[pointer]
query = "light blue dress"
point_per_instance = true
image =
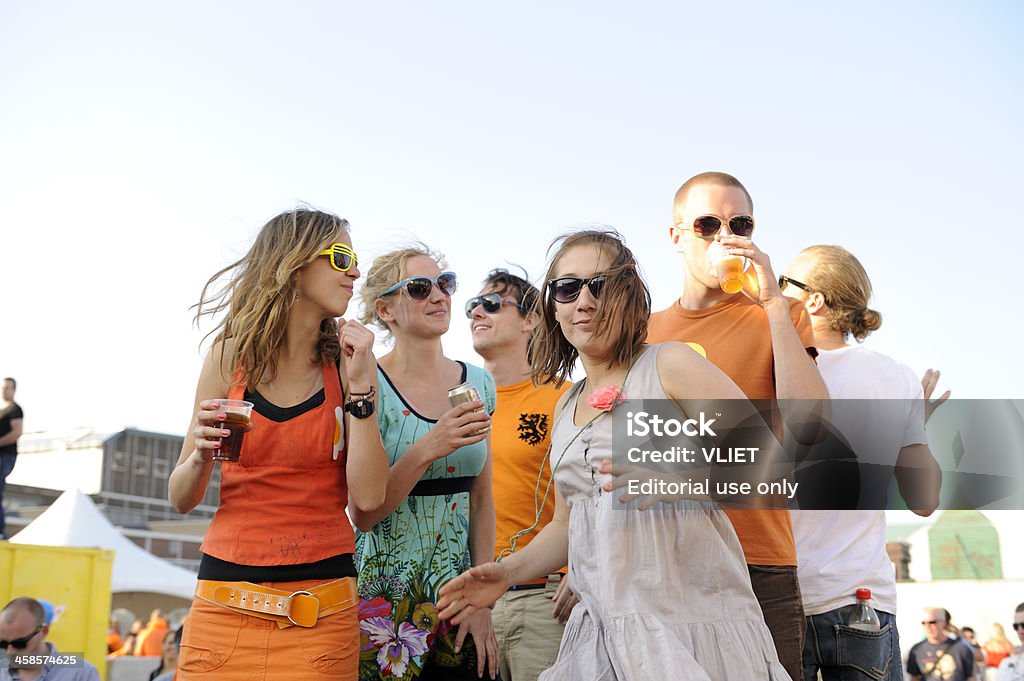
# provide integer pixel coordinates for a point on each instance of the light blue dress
(406, 558)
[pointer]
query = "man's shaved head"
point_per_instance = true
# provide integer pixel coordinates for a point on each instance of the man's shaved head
(709, 178)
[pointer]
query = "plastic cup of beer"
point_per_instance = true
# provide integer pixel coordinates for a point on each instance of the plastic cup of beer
(728, 268)
(237, 414)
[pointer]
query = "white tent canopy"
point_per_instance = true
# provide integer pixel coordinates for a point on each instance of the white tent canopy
(74, 520)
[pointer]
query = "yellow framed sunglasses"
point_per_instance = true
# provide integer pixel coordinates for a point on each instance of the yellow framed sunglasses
(343, 258)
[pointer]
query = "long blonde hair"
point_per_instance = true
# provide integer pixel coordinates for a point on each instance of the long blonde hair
(998, 643)
(840, 277)
(261, 289)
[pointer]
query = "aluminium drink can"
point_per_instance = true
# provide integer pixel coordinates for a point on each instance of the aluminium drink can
(465, 392)
(460, 394)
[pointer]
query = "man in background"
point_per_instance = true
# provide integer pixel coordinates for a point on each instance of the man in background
(151, 638)
(529, 618)
(938, 656)
(10, 430)
(23, 631)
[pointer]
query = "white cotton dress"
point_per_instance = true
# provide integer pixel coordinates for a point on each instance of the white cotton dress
(664, 594)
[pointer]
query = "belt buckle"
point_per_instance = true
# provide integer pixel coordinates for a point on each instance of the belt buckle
(309, 615)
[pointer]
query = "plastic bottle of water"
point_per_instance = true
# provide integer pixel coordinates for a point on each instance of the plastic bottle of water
(864, 616)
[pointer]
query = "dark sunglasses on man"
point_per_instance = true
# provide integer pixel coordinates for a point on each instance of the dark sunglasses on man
(491, 304)
(789, 281)
(707, 226)
(20, 643)
(418, 288)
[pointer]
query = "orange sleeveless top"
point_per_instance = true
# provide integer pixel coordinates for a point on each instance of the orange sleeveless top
(283, 502)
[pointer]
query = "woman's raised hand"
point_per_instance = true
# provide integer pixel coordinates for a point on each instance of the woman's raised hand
(478, 587)
(357, 349)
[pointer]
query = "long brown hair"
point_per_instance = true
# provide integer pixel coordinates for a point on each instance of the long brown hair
(621, 317)
(261, 289)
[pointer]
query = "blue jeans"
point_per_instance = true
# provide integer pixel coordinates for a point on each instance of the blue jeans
(845, 654)
(6, 466)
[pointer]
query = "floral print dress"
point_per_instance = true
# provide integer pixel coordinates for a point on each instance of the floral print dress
(406, 558)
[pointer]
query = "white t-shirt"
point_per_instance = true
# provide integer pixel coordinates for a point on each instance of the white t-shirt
(1011, 668)
(840, 551)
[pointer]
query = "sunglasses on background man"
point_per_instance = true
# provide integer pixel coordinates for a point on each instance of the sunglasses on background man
(491, 304)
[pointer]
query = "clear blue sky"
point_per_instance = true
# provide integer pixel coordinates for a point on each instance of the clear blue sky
(142, 145)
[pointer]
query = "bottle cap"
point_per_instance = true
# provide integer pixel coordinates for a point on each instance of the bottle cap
(863, 594)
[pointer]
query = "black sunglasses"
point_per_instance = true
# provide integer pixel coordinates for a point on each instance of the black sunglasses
(418, 288)
(567, 289)
(783, 280)
(707, 226)
(1018, 625)
(491, 303)
(20, 643)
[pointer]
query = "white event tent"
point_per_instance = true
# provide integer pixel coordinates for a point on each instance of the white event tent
(74, 520)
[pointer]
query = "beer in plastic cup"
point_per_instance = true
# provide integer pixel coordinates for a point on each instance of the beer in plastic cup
(728, 268)
(237, 413)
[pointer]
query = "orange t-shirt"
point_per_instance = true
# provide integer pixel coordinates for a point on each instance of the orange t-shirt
(151, 639)
(114, 642)
(736, 337)
(520, 435)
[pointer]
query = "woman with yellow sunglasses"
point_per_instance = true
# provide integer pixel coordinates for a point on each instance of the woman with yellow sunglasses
(276, 595)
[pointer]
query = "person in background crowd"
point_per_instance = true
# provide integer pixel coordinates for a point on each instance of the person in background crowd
(998, 647)
(529, 618)
(150, 640)
(1012, 667)
(130, 639)
(11, 420)
(169, 657)
(23, 631)
(967, 634)
(114, 640)
(938, 656)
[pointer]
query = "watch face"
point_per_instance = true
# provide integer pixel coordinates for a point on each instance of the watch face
(361, 409)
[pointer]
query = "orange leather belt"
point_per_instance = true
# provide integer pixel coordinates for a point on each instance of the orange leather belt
(287, 608)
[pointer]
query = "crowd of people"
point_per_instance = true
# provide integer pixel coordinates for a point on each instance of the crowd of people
(954, 654)
(494, 537)
(473, 520)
